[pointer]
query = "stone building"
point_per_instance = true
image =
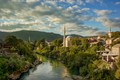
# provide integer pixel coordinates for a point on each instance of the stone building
(116, 49)
(68, 42)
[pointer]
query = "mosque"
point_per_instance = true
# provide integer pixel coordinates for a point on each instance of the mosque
(66, 39)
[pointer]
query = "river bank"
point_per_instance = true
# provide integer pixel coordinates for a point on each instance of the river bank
(48, 69)
(16, 74)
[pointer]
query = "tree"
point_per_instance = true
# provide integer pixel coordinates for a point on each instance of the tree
(85, 44)
(11, 41)
(75, 41)
(57, 42)
(117, 73)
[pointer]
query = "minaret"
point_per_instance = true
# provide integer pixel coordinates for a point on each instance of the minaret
(110, 38)
(64, 39)
(109, 33)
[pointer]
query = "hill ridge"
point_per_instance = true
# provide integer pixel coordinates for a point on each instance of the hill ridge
(34, 35)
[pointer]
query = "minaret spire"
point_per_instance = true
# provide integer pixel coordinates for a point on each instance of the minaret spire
(64, 37)
(109, 33)
(110, 37)
(64, 31)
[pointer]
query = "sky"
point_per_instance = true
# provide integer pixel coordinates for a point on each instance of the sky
(82, 17)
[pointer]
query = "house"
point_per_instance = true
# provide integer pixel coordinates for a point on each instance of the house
(116, 49)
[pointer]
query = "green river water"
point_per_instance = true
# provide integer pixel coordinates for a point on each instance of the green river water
(48, 70)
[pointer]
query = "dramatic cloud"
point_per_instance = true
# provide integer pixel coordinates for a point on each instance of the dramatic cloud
(48, 15)
(81, 30)
(105, 20)
(109, 22)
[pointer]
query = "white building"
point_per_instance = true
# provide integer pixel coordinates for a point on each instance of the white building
(116, 49)
(108, 41)
(68, 43)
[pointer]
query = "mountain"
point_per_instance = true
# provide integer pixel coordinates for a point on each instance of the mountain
(75, 35)
(33, 35)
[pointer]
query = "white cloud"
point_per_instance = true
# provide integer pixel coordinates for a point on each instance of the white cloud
(22, 22)
(86, 9)
(79, 11)
(4, 30)
(92, 1)
(102, 12)
(90, 33)
(100, 1)
(107, 22)
(42, 8)
(85, 18)
(75, 6)
(6, 10)
(69, 27)
(62, 0)
(39, 8)
(118, 3)
(73, 28)
(19, 29)
(54, 19)
(46, 16)
(83, 10)
(89, 1)
(70, 8)
(28, 1)
(70, 1)
(115, 23)
(81, 2)
(32, 0)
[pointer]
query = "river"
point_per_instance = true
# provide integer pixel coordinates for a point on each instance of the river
(48, 70)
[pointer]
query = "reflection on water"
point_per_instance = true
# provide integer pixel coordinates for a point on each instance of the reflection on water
(48, 70)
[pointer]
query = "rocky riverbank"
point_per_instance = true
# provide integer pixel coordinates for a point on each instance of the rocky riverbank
(16, 74)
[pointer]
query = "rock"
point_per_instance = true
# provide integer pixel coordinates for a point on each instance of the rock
(75, 77)
(15, 75)
(68, 78)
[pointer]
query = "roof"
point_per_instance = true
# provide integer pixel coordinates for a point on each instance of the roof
(116, 46)
(104, 54)
(68, 36)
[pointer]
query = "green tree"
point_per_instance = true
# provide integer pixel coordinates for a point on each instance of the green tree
(75, 41)
(85, 43)
(11, 40)
(57, 42)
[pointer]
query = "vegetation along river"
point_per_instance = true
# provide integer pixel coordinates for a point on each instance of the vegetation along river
(48, 70)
